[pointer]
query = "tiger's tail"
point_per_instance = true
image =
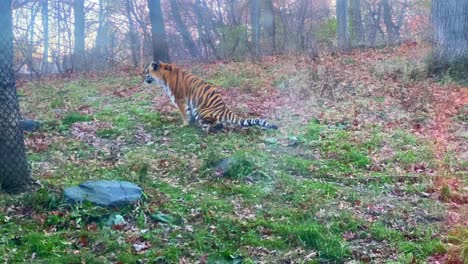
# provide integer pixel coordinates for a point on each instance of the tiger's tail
(246, 122)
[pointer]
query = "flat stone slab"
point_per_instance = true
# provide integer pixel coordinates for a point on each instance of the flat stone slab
(104, 192)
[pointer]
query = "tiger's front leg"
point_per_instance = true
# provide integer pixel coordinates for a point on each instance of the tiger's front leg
(190, 114)
(182, 109)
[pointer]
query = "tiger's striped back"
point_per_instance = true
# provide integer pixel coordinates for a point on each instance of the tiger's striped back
(196, 99)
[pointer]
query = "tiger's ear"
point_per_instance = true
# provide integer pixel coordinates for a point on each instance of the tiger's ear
(156, 65)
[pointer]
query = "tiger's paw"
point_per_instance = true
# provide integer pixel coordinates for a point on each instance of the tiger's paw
(206, 128)
(218, 127)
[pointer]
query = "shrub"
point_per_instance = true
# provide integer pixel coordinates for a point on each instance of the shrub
(401, 69)
(233, 42)
(327, 30)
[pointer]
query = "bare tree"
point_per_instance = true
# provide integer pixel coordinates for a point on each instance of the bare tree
(255, 23)
(357, 29)
(79, 46)
(302, 17)
(68, 62)
(56, 54)
(14, 169)
(206, 24)
(269, 23)
(30, 47)
(232, 9)
(131, 31)
(45, 24)
(391, 14)
(102, 36)
(139, 10)
(342, 21)
(182, 28)
(450, 41)
(160, 48)
(374, 14)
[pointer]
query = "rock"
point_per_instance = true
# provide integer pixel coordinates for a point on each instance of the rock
(292, 141)
(104, 193)
(92, 99)
(237, 166)
(222, 168)
(30, 125)
(115, 219)
(161, 217)
(58, 111)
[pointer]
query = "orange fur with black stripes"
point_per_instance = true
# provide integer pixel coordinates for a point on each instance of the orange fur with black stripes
(196, 99)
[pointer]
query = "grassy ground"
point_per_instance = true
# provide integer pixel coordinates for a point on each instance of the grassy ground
(353, 174)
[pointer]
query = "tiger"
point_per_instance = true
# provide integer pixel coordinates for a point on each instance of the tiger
(197, 100)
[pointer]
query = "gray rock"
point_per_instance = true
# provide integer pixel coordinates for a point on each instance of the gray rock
(222, 168)
(30, 125)
(115, 219)
(292, 141)
(92, 99)
(104, 193)
(236, 166)
(58, 111)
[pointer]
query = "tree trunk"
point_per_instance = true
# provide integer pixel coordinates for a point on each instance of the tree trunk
(255, 23)
(206, 28)
(30, 46)
(387, 17)
(450, 27)
(14, 169)
(373, 22)
(302, 18)
(356, 22)
(45, 22)
(160, 48)
(102, 38)
(182, 28)
(132, 33)
(232, 12)
(269, 24)
(79, 46)
(201, 28)
(111, 44)
(145, 44)
(58, 15)
(342, 21)
(286, 28)
(393, 29)
(68, 61)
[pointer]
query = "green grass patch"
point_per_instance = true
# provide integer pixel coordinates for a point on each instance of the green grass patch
(313, 131)
(75, 117)
(240, 77)
(423, 249)
(295, 164)
(380, 232)
(314, 236)
(108, 133)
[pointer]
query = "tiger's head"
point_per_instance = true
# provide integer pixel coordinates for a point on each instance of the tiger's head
(157, 72)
